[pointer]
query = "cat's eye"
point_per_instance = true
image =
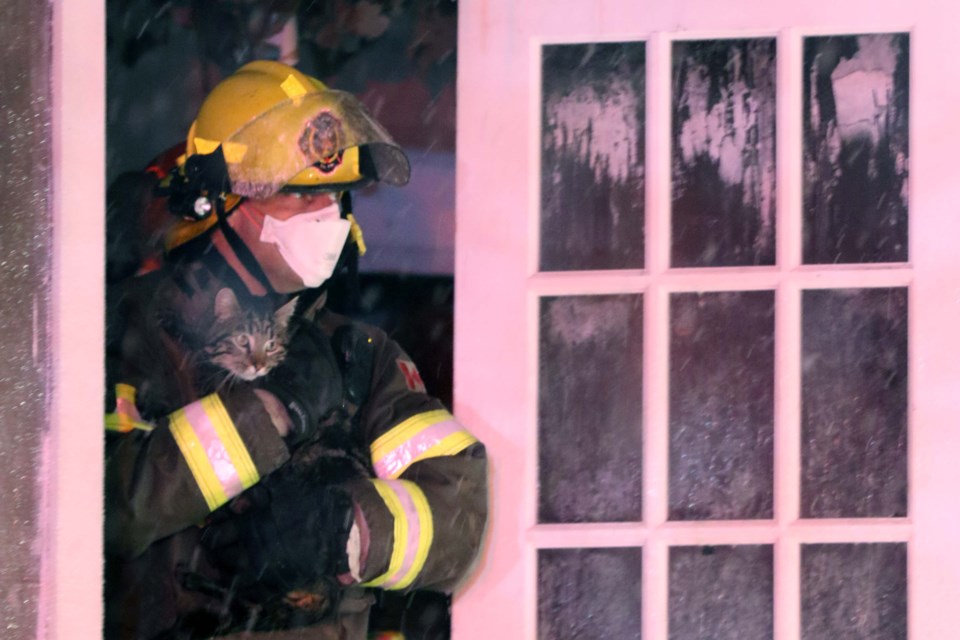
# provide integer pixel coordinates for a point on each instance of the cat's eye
(242, 340)
(270, 346)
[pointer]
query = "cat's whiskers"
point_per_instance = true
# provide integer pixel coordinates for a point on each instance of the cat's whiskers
(230, 381)
(239, 344)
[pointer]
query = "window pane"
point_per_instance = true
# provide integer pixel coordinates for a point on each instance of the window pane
(721, 593)
(854, 591)
(590, 422)
(589, 594)
(592, 158)
(854, 403)
(855, 148)
(724, 152)
(721, 405)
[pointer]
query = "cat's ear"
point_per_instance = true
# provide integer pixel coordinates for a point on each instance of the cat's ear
(225, 305)
(284, 313)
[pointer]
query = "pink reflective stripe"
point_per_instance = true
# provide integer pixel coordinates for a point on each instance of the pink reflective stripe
(213, 447)
(413, 532)
(127, 408)
(406, 453)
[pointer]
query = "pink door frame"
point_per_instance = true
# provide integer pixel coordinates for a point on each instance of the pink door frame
(73, 457)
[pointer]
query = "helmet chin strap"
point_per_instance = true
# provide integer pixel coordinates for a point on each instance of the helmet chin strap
(253, 277)
(246, 258)
(350, 257)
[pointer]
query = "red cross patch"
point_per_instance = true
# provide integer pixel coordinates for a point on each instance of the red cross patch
(411, 376)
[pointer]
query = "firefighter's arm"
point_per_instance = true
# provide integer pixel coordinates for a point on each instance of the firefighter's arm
(161, 480)
(164, 477)
(419, 529)
(422, 527)
(417, 524)
(420, 521)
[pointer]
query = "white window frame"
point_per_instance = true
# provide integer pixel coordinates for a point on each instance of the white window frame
(499, 290)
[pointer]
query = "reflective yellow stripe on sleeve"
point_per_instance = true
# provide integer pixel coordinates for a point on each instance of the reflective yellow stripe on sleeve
(126, 418)
(412, 532)
(118, 422)
(425, 435)
(215, 453)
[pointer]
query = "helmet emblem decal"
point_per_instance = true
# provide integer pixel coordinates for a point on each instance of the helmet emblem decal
(321, 141)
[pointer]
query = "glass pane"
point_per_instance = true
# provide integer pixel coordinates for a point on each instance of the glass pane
(721, 405)
(721, 593)
(589, 594)
(724, 152)
(592, 157)
(854, 591)
(854, 403)
(590, 422)
(855, 148)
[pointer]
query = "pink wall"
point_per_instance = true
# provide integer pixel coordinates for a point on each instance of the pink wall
(73, 456)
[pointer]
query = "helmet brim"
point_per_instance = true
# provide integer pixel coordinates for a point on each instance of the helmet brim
(305, 140)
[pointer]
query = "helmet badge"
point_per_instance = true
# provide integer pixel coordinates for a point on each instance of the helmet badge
(322, 140)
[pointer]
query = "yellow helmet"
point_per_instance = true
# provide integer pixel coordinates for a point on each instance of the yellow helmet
(280, 127)
(270, 127)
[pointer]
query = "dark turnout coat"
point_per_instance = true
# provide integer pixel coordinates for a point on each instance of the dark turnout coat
(415, 475)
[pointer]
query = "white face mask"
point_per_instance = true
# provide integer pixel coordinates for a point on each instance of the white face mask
(310, 242)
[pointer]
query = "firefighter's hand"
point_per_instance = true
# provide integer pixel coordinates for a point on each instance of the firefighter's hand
(277, 412)
(297, 539)
(307, 382)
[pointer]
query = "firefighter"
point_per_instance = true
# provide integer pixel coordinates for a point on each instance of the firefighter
(274, 507)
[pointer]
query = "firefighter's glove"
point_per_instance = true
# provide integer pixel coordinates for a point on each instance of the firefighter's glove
(296, 541)
(307, 381)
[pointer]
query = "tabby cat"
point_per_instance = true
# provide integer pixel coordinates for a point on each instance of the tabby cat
(246, 342)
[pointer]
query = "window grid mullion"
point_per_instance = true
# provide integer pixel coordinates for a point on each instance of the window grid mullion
(787, 405)
(656, 440)
(786, 589)
(657, 132)
(656, 338)
(787, 309)
(786, 570)
(789, 146)
(786, 556)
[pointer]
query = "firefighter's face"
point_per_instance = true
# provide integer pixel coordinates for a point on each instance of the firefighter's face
(284, 206)
(248, 219)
